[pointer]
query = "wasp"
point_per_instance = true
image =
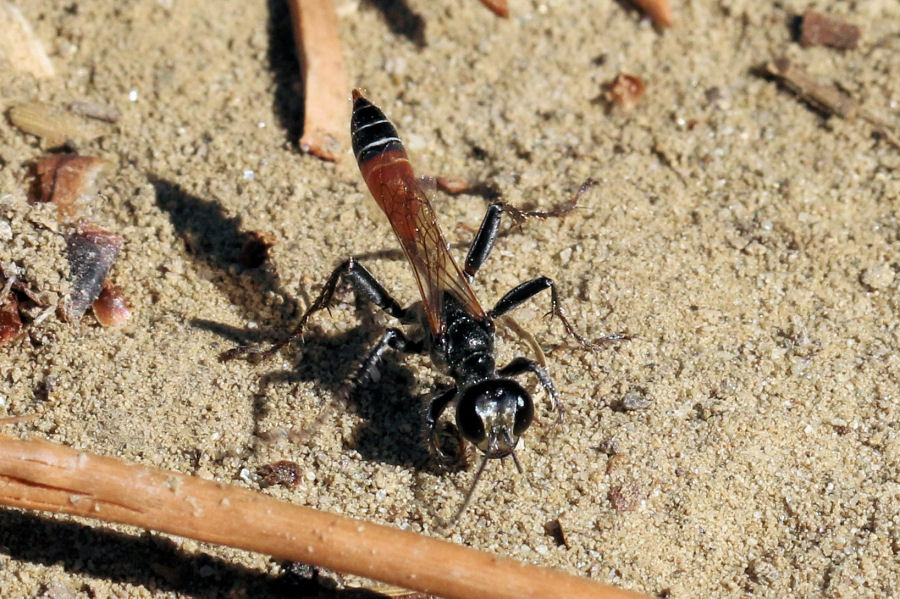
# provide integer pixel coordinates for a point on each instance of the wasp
(492, 409)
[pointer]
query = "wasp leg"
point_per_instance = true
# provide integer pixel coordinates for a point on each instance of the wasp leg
(487, 234)
(392, 339)
(521, 365)
(433, 411)
(484, 241)
(364, 284)
(525, 291)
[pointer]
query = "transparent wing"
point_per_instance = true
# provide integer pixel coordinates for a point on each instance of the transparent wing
(411, 216)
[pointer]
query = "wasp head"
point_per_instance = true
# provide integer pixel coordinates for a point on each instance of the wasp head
(492, 414)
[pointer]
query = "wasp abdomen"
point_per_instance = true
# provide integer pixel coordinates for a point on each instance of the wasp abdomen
(371, 131)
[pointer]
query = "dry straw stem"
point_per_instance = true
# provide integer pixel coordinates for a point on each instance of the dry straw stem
(659, 11)
(38, 475)
(326, 110)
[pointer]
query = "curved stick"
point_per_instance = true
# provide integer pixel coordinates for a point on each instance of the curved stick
(38, 475)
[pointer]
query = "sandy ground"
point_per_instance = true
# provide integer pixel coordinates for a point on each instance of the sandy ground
(747, 243)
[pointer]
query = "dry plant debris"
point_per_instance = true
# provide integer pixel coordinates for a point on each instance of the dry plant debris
(66, 178)
(625, 90)
(10, 322)
(817, 29)
(284, 473)
(53, 125)
(326, 111)
(659, 11)
(825, 97)
(19, 46)
(91, 252)
(92, 110)
(43, 476)
(452, 185)
(111, 308)
(498, 7)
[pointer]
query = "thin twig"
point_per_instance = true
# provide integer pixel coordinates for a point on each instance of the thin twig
(38, 475)
(826, 97)
(325, 88)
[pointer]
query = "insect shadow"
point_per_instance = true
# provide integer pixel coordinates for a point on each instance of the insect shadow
(217, 240)
(391, 416)
(150, 561)
(214, 240)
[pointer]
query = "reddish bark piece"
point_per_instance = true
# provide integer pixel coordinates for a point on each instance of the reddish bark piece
(817, 29)
(111, 308)
(498, 7)
(452, 185)
(10, 322)
(64, 179)
(659, 11)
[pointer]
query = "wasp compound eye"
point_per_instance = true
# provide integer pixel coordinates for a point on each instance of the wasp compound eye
(524, 414)
(468, 420)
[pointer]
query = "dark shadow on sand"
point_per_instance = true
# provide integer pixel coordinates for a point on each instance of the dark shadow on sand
(216, 240)
(151, 561)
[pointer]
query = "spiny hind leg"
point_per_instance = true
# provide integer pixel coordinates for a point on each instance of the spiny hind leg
(365, 286)
(525, 291)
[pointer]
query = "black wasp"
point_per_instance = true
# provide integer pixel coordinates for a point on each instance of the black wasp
(492, 409)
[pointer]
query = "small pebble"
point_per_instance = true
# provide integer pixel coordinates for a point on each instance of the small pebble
(878, 276)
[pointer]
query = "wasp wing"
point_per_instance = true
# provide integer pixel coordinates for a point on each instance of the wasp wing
(409, 211)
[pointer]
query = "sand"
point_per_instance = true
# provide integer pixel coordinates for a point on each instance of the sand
(744, 442)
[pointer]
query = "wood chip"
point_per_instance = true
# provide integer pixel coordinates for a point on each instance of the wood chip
(19, 46)
(817, 29)
(326, 105)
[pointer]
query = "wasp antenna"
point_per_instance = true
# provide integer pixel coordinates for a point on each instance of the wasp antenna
(471, 492)
(516, 462)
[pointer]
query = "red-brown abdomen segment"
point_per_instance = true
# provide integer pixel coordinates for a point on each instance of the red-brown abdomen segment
(386, 170)
(384, 165)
